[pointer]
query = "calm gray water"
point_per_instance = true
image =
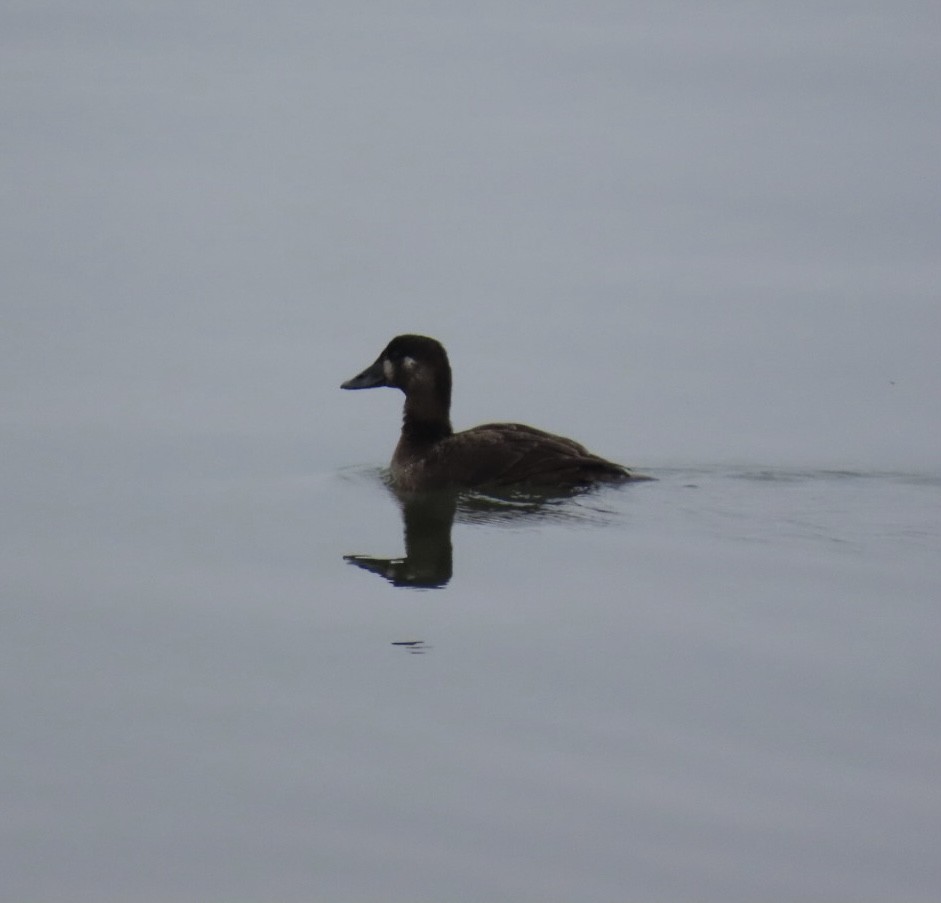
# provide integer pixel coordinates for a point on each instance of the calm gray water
(720, 685)
(236, 667)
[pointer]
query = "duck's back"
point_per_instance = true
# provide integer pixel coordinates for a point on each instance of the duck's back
(501, 454)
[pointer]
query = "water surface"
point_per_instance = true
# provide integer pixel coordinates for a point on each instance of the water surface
(719, 685)
(237, 668)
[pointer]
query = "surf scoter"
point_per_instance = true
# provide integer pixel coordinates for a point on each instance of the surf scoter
(431, 455)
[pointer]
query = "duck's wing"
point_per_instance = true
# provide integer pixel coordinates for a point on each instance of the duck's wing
(500, 454)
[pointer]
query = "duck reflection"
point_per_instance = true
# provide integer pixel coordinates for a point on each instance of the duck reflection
(428, 517)
(427, 520)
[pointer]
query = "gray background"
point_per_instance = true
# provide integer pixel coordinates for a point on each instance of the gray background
(678, 231)
(701, 238)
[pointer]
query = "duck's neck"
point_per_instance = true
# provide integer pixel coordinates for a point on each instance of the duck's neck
(425, 418)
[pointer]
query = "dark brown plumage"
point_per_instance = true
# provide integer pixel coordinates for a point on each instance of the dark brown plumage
(430, 454)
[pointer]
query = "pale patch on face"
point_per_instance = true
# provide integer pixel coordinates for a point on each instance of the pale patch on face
(408, 370)
(408, 373)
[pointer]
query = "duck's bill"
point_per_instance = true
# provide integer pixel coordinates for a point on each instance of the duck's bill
(370, 378)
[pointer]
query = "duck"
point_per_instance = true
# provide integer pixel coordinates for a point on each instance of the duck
(430, 455)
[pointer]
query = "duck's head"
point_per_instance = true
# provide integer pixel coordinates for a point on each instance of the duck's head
(415, 364)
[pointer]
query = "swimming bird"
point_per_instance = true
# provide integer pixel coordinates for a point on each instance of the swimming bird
(431, 455)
